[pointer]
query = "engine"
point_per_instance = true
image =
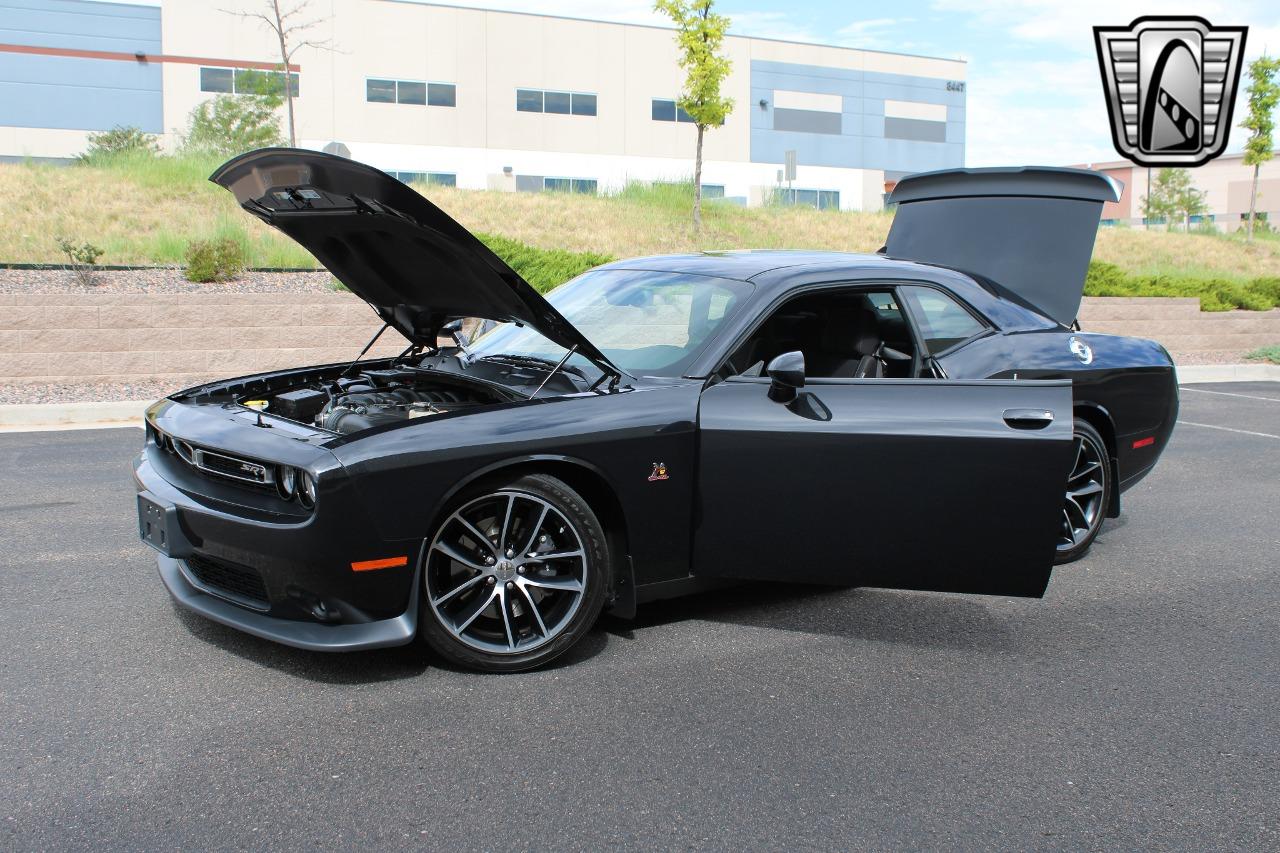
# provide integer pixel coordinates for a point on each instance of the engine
(373, 398)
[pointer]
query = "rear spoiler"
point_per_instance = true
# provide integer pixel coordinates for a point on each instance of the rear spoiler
(1029, 229)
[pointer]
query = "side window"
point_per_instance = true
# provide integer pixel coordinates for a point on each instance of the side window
(851, 333)
(943, 321)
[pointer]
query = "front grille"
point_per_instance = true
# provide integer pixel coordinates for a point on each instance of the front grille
(249, 471)
(239, 583)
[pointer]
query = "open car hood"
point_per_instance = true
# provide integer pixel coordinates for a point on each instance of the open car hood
(397, 251)
(1029, 230)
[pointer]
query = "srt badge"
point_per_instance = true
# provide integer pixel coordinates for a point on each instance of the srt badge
(1171, 85)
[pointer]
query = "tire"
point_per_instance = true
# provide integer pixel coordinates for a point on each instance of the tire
(514, 575)
(1088, 493)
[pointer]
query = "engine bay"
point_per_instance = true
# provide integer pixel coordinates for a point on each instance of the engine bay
(370, 398)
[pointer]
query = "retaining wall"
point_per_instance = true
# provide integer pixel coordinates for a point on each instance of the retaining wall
(187, 338)
(179, 338)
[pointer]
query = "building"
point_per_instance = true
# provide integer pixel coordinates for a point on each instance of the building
(1226, 182)
(486, 99)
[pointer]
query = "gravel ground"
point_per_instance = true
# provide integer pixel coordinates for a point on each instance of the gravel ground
(92, 392)
(170, 281)
(1210, 357)
(160, 281)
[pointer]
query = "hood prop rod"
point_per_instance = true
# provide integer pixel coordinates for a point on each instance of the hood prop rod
(367, 347)
(554, 371)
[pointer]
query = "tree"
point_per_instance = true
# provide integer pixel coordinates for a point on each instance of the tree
(232, 124)
(283, 23)
(120, 140)
(1264, 94)
(1171, 195)
(1158, 203)
(699, 37)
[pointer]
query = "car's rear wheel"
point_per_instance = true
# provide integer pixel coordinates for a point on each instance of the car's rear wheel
(1088, 493)
(514, 575)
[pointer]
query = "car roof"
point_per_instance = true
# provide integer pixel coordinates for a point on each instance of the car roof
(744, 265)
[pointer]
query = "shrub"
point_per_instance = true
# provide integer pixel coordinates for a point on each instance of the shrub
(80, 258)
(1215, 294)
(233, 124)
(1271, 354)
(120, 140)
(214, 260)
(545, 269)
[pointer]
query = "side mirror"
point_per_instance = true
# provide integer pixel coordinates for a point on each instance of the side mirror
(787, 373)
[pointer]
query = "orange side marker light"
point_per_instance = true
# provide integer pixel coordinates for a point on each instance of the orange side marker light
(385, 563)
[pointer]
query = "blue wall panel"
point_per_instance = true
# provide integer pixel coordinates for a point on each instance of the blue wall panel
(75, 93)
(861, 143)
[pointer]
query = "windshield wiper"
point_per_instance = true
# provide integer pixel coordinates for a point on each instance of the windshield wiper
(536, 361)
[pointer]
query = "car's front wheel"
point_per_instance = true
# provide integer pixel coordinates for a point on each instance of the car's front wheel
(1088, 493)
(514, 575)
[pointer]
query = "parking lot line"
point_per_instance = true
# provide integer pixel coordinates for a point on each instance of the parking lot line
(1228, 429)
(1230, 394)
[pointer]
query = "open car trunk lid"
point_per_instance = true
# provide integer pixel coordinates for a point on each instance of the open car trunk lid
(397, 251)
(1030, 230)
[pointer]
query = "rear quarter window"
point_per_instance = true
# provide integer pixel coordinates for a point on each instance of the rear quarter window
(944, 322)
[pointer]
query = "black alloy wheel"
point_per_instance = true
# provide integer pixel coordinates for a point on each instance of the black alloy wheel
(1088, 493)
(514, 575)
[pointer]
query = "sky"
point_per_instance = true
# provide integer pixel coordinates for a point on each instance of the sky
(1034, 94)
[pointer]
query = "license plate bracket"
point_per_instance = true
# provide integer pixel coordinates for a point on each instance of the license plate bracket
(159, 526)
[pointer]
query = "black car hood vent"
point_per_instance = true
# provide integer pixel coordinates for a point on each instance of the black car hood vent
(1030, 230)
(408, 259)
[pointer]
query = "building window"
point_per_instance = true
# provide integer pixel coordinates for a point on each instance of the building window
(413, 92)
(529, 100)
(246, 81)
(540, 183)
(666, 109)
(559, 103)
(217, 80)
(442, 95)
(410, 92)
(555, 102)
(710, 191)
(821, 199)
(438, 179)
(586, 186)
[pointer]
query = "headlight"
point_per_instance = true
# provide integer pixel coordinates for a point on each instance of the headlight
(287, 480)
(308, 493)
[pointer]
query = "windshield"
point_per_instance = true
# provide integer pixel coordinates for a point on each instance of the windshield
(647, 323)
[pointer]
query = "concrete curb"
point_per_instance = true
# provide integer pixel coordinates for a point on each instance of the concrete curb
(36, 416)
(1193, 374)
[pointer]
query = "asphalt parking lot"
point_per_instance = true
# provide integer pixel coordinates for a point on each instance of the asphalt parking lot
(1136, 706)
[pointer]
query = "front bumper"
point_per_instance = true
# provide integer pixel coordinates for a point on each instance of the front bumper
(291, 632)
(285, 578)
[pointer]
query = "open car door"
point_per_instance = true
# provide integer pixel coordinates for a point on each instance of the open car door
(948, 485)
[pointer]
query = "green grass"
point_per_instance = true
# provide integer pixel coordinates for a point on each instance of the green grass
(146, 209)
(1271, 354)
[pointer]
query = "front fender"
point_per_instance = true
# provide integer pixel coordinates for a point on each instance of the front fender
(407, 475)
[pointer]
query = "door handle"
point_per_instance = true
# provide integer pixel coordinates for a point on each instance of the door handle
(1028, 418)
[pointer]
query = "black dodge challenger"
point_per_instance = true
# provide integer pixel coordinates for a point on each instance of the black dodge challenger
(924, 418)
